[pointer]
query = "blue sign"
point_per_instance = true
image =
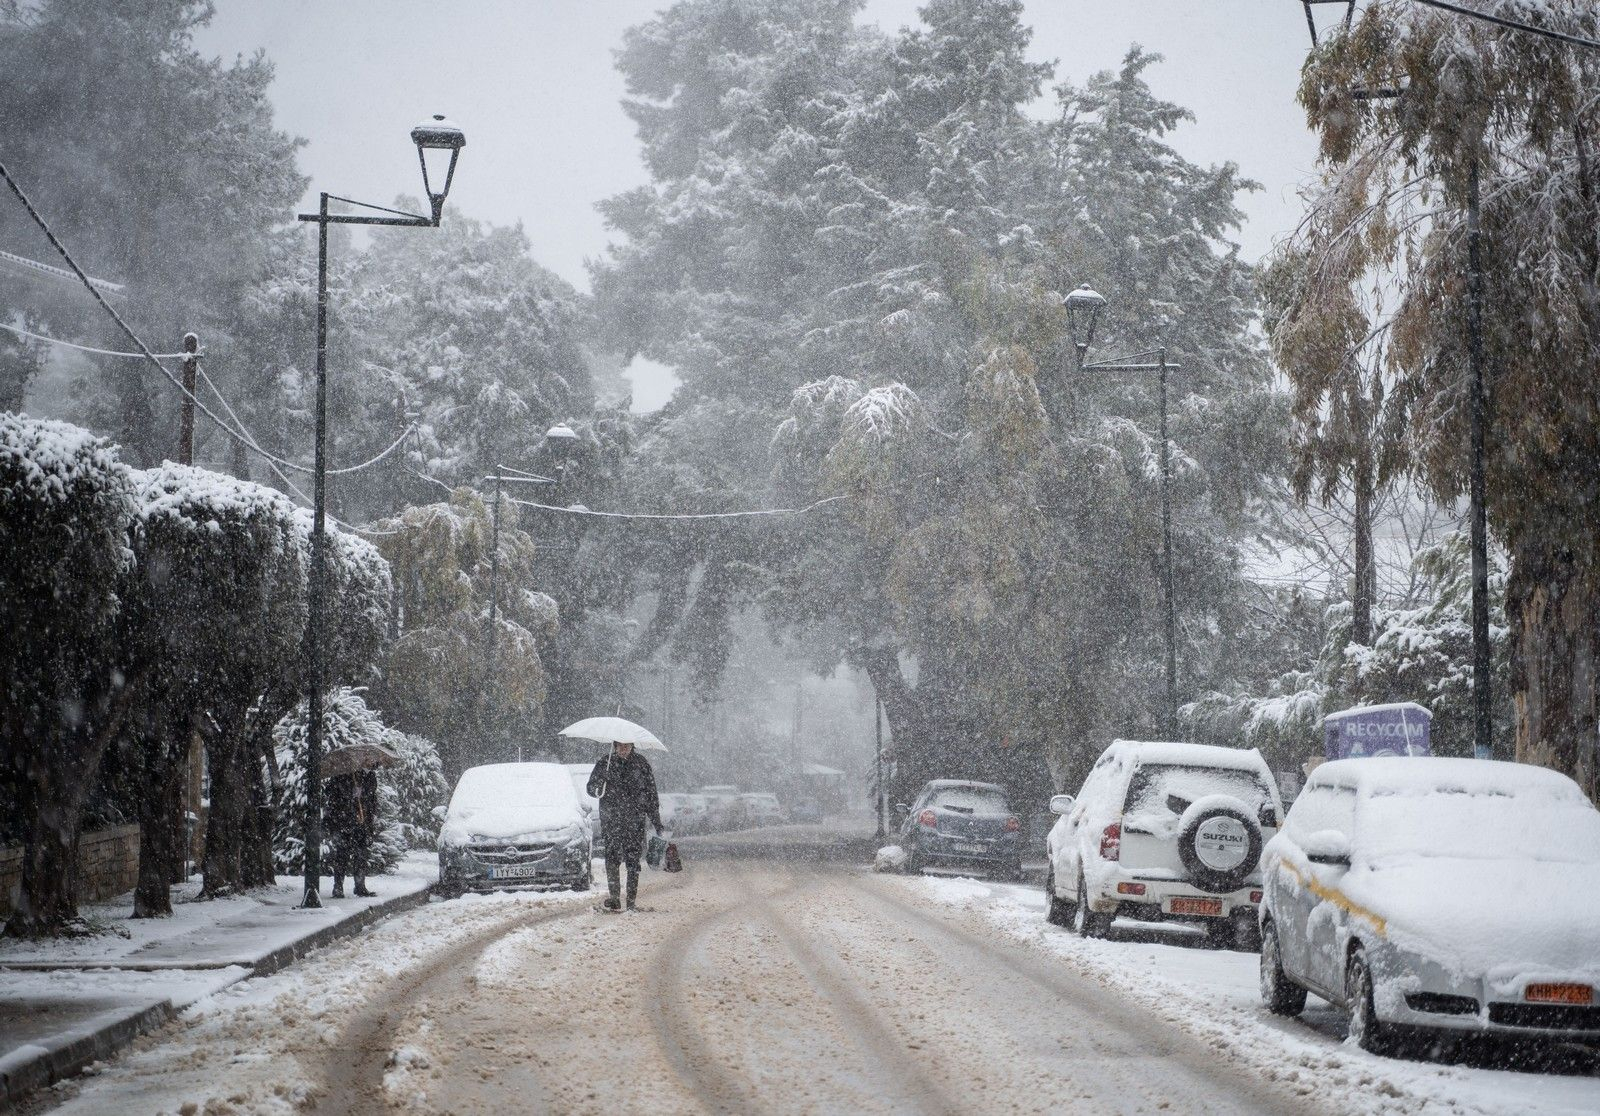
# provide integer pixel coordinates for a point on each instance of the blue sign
(1399, 729)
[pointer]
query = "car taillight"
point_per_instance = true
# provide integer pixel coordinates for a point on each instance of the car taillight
(929, 819)
(1111, 842)
(1126, 888)
(1012, 825)
(1255, 897)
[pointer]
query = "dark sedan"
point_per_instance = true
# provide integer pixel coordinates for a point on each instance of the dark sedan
(955, 823)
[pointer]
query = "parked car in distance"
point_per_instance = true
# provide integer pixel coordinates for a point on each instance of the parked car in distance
(1164, 831)
(1431, 894)
(514, 825)
(958, 823)
(683, 813)
(763, 809)
(725, 810)
(806, 811)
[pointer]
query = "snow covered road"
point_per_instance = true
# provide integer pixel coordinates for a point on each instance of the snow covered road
(760, 987)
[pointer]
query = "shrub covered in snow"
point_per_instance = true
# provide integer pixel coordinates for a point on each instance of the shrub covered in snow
(419, 785)
(348, 720)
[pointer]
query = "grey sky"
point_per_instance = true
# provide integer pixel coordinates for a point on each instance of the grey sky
(532, 83)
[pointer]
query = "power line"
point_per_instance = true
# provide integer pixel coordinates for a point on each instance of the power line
(707, 515)
(1515, 25)
(86, 348)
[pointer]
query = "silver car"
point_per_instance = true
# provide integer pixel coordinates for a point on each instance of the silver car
(511, 826)
(1427, 894)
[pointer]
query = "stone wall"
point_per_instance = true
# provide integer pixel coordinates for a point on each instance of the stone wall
(108, 865)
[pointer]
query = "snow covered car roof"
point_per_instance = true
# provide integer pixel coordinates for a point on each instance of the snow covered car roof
(1194, 755)
(1444, 775)
(939, 783)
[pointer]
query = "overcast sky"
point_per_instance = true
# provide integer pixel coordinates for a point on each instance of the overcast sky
(532, 84)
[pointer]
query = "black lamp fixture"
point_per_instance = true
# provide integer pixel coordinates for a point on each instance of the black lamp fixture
(439, 144)
(1325, 16)
(1083, 314)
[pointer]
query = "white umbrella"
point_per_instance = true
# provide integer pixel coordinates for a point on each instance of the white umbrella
(614, 730)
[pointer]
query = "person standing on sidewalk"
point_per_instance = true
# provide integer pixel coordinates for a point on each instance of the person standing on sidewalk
(351, 820)
(626, 788)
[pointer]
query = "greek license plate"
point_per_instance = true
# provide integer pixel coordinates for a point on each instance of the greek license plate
(513, 871)
(1559, 994)
(1183, 906)
(968, 847)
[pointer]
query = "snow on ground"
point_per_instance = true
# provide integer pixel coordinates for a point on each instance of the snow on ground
(257, 1045)
(1214, 995)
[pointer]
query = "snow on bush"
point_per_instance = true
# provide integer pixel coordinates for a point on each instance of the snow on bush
(419, 785)
(346, 720)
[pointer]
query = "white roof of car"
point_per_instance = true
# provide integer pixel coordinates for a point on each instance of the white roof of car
(1194, 755)
(1442, 774)
(514, 784)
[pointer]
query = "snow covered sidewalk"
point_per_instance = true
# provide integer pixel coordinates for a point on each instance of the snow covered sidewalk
(1214, 994)
(67, 1003)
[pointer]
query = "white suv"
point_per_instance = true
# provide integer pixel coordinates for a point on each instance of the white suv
(1164, 831)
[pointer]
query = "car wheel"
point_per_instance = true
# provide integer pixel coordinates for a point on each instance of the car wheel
(1281, 995)
(914, 861)
(1059, 911)
(450, 889)
(1370, 1034)
(1088, 922)
(1011, 873)
(1219, 933)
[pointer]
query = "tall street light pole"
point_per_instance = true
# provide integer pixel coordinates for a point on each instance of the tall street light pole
(436, 140)
(1084, 306)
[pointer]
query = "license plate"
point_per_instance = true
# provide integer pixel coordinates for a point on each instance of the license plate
(1559, 994)
(513, 871)
(968, 847)
(1183, 906)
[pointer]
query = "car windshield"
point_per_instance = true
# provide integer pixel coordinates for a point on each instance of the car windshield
(504, 785)
(970, 800)
(1478, 826)
(1171, 787)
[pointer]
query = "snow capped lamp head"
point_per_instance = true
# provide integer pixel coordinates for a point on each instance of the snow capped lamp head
(1083, 314)
(439, 144)
(1328, 17)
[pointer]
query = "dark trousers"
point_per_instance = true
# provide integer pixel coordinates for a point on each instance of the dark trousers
(350, 851)
(624, 845)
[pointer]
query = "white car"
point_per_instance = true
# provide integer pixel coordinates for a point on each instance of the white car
(514, 825)
(763, 809)
(683, 813)
(1438, 894)
(1164, 831)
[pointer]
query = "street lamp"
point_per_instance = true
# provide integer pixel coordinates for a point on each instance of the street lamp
(1478, 412)
(433, 138)
(1329, 14)
(1083, 313)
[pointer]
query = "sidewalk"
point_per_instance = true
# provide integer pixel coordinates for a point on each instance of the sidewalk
(67, 1003)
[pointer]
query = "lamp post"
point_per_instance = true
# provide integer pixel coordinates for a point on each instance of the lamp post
(437, 140)
(1478, 416)
(499, 479)
(1084, 306)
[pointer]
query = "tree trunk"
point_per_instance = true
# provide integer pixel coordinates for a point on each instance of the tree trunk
(1365, 588)
(902, 711)
(1554, 610)
(160, 800)
(223, 866)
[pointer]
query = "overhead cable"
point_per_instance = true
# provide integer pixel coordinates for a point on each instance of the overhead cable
(582, 511)
(1515, 25)
(86, 348)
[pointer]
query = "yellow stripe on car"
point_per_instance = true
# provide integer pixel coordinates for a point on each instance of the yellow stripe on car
(1337, 898)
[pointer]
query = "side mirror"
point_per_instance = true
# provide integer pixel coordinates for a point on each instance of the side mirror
(438, 813)
(899, 810)
(1061, 803)
(1268, 815)
(1327, 846)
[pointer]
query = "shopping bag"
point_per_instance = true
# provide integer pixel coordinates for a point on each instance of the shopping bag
(654, 850)
(673, 862)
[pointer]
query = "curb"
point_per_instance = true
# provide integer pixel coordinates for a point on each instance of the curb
(64, 1061)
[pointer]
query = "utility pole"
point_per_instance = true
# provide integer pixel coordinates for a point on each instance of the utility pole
(494, 606)
(1169, 604)
(191, 369)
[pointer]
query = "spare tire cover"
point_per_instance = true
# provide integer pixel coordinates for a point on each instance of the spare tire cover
(1219, 842)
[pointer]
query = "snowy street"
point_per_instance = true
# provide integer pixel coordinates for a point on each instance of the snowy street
(759, 986)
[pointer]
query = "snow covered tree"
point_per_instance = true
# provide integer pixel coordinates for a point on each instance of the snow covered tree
(102, 108)
(1510, 111)
(66, 503)
(347, 720)
(438, 679)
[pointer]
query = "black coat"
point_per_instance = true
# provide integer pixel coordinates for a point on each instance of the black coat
(626, 789)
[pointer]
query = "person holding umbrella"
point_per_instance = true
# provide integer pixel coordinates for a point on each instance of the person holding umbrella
(626, 788)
